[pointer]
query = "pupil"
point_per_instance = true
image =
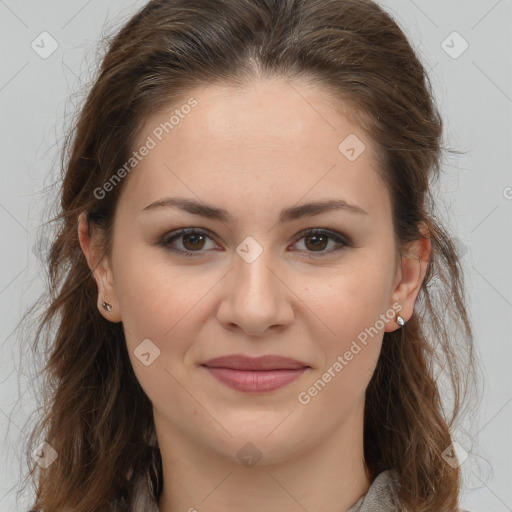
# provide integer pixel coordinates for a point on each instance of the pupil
(188, 237)
(316, 238)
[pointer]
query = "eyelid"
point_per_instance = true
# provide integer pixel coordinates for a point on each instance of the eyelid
(331, 233)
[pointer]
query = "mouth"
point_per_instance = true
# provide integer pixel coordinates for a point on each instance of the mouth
(255, 375)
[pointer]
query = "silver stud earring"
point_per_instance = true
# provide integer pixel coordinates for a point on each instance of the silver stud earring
(107, 306)
(400, 321)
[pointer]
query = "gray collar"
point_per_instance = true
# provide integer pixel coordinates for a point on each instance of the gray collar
(382, 496)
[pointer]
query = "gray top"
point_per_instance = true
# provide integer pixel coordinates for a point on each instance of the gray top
(381, 496)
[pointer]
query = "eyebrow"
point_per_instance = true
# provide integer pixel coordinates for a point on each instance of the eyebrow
(286, 215)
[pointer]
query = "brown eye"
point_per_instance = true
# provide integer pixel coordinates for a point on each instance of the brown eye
(316, 242)
(193, 241)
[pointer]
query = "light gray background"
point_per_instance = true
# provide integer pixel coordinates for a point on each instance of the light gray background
(474, 92)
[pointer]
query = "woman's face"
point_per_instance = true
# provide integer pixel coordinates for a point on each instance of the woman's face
(254, 282)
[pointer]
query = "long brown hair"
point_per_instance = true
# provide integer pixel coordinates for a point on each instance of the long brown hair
(95, 414)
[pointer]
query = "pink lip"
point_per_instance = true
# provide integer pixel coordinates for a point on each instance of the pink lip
(255, 375)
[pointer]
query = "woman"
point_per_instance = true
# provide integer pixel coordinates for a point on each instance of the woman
(250, 286)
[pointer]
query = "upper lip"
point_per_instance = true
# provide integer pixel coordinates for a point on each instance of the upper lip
(241, 362)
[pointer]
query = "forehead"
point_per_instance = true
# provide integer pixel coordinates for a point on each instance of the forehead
(270, 110)
(269, 137)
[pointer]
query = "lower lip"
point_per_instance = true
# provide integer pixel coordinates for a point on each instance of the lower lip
(255, 381)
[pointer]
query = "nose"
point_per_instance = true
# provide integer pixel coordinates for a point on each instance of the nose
(256, 296)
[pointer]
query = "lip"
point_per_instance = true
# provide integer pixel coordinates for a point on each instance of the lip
(255, 374)
(241, 362)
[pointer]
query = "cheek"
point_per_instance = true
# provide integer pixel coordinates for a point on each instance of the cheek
(351, 299)
(351, 306)
(160, 304)
(156, 301)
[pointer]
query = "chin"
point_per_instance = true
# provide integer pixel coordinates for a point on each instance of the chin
(262, 445)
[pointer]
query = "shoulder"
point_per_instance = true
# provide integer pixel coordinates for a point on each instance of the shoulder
(382, 496)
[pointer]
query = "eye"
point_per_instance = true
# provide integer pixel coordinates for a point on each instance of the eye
(192, 241)
(316, 241)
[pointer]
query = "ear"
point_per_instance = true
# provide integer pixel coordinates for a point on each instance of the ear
(412, 269)
(101, 269)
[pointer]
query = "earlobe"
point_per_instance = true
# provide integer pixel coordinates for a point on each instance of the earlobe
(107, 298)
(101, 271)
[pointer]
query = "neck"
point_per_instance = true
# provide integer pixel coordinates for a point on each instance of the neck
(330, 477)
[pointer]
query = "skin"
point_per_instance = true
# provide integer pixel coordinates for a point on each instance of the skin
(253, 152)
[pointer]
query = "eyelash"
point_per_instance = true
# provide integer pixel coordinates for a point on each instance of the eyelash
(168, 238)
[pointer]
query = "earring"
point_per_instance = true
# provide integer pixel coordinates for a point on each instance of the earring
(400, 321)
(107, 306)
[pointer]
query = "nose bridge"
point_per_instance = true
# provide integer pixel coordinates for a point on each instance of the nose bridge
(256, 299)
(254, 283)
